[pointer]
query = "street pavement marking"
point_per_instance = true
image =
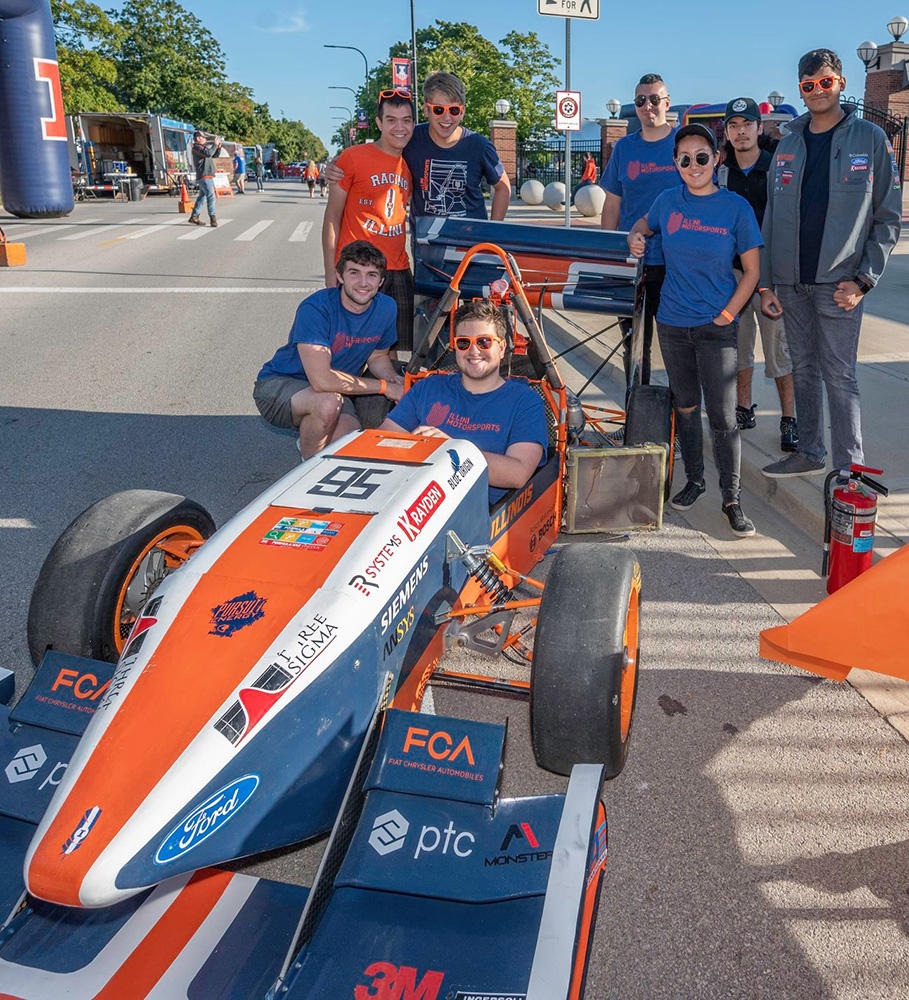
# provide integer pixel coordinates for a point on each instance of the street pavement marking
(300, 233)
(199, 231)
(253, 231)
(102, 229)
(12, 234)
(151, 229)
(158, 289)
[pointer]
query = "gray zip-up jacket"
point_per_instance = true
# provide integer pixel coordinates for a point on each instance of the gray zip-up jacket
(863, 214)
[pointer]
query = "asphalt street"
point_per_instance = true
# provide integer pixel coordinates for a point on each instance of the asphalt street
(759, 838)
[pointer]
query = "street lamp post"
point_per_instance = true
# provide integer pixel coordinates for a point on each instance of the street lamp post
(613, 106)
(413, 52)
(867, 52)
(338, 118)
(775, 99)
(353, 48)
(345, 88)
(503, 106)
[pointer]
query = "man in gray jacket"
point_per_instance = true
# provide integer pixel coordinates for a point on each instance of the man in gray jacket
(832, 218)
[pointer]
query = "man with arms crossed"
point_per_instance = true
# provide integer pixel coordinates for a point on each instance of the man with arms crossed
(309, 382)
(505, 419)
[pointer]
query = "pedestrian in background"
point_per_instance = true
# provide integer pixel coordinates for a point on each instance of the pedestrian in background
(204, 152)
(832, 218)
(310, 176)
(240, 172)
(703, 228)
(259, 168)
(322, 179)
(744, 171)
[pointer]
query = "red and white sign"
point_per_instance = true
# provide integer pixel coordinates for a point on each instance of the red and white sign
(400, 74)
(53, 128)
(568, 111)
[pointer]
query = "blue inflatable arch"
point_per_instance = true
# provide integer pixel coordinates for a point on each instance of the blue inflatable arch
(34, 159)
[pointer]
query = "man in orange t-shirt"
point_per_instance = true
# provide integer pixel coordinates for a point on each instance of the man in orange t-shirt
(370, 203)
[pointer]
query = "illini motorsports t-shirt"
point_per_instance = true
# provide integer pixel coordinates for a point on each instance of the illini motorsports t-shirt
(637, 172)
(491, 420)
(701, 235)
(351, 337)
(378, 190)
(447, 181)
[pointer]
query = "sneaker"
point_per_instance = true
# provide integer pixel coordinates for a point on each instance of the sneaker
(789, 434)
(744, 417)
(740, 524)
(214, 222)
(194, 220)
(794, 465)
(686, 497)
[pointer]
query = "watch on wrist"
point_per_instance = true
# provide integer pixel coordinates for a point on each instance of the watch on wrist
(864, 286)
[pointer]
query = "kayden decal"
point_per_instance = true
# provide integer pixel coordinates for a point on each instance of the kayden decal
(237, 613)
(421, 510)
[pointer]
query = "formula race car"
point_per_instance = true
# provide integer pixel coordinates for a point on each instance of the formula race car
(267, 680)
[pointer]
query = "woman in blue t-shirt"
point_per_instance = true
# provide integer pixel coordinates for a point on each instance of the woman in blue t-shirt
(702, 228)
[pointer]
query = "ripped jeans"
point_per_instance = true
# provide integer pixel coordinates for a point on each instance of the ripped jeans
(704, 359)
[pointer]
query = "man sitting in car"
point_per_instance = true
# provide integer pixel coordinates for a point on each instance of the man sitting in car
(505, 419)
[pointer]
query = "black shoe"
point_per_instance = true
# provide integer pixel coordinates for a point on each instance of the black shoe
(744, 417)
(686, 497)
(195, 220)
(789, 434)
(740, 524)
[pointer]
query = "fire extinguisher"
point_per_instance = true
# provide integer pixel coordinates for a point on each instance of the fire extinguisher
(850, 512)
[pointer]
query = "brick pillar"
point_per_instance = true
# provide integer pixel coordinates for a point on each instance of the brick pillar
(503, 134)
(888, 75)
(611, 130)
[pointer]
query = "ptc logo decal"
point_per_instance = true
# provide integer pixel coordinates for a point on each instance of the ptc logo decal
(237, 613)
(74, 841)
(388, 833)
(26, 764)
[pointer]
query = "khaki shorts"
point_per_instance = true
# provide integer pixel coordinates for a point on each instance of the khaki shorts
(773, 337)
(272, 396)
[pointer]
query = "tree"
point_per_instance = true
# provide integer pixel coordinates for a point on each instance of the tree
(87, 77)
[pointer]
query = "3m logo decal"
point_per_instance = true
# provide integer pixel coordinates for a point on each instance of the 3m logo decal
(439, 746)
(237, 613)
(523, 832)
(74, 841)
(392, 982)
(26, 764)
(388, 832)
(53, 128)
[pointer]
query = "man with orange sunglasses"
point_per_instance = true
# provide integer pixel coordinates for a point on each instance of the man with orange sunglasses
(833, 215)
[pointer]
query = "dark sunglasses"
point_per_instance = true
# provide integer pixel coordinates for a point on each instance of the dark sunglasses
(824, 82)
(654, 99)
(455, 110)
(702, 159)
(385, 94)
(483, 341)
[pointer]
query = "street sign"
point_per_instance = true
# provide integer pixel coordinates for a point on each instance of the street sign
(588, 9)
(568, 111)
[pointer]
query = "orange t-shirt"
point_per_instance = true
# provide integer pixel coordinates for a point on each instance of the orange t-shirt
(378, 190)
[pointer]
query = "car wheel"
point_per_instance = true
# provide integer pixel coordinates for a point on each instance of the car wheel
(584, 675)
(103, 568)
(649, 420)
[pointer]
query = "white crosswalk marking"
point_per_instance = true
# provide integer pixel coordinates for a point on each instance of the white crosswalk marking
(13, 234)
(199, 231)
(253, 231)
(300, 233)
(156, 228)
(102, 229)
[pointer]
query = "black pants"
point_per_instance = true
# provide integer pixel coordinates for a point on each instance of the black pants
(653, 283)
(399, 285)
(704, 359)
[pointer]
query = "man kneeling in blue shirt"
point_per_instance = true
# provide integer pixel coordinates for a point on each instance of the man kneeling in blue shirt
(506, 420)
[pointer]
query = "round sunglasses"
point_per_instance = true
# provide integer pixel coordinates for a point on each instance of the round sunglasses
(824, 82)
(483, 341)
(455, 110)
(701, 159)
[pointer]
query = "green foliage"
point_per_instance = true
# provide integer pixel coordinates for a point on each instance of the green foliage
(87, 78)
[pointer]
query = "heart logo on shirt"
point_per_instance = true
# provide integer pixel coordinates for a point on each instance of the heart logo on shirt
(437, 414)
(675, 222)
(634, 169)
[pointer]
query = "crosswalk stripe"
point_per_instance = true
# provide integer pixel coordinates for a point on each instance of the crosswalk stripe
(199, 231)
(13, 235)
(102, 229)
(300, 233)
(155, 229)
(253, 231)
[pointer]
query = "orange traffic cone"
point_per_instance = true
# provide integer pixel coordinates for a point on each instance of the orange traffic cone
(863, 624)
(11, 254)
(186, 203)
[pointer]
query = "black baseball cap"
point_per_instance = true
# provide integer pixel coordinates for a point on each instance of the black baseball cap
(198, 132)
(742, 107)
(696, 129)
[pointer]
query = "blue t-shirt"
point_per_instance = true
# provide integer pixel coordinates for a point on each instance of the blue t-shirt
(239, 165)
(638, 171)
(446, 182)
(701, 235)
(492, 421)
(351, 337)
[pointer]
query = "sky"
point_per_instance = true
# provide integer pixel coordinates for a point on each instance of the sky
(721, 50)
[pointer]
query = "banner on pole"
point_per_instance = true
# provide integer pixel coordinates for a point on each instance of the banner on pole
(401, 76)
(353, 134)
(362, 121)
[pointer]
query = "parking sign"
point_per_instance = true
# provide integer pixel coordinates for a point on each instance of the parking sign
(568, 111)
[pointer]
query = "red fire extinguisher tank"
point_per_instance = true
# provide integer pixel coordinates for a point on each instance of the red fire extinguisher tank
(851, 516)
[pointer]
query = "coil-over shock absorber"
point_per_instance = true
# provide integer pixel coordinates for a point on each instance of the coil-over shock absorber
(484, 566)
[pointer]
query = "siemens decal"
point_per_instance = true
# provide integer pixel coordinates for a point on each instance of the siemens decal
(404, 594)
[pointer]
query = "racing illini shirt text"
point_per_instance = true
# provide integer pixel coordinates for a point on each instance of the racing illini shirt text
(493, 421)
(351, 337)
(638, 171)
(447, 181)
(378, 189)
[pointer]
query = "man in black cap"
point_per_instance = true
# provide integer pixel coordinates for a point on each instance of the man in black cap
(204, 153)
(745, 172)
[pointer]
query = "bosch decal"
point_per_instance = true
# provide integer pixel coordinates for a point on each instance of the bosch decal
(421, 510)
(400, 630)
(388, 833)
(206, 819)
(391, 982)
(302, 533)
(404, 595)
(74, 841)
(237, 613)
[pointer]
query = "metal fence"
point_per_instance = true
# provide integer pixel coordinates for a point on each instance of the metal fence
(545, 162)
(896, 127)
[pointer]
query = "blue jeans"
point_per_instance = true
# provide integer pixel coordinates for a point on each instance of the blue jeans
(703, 359)
(823, 343)
(260, 183)
(206, 193)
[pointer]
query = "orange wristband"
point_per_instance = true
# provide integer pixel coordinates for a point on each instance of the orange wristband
(728, 315)
(383, 386)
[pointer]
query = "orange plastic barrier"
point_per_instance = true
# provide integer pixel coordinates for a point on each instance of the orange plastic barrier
(11, 254)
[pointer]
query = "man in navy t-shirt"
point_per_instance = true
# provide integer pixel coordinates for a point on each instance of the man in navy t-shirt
(506, 420)
(336, 331)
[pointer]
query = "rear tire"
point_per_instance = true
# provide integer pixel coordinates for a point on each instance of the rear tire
(649, 420)
(103, 568)
(583, 682)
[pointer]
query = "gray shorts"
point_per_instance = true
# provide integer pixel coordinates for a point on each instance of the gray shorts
(773, 337)
(272, 396)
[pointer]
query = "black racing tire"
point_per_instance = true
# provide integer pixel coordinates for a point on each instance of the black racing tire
(80, 601)
(584, 675)
(649, 420)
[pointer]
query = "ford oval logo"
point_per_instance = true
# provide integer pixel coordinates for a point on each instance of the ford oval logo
(206, 819)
